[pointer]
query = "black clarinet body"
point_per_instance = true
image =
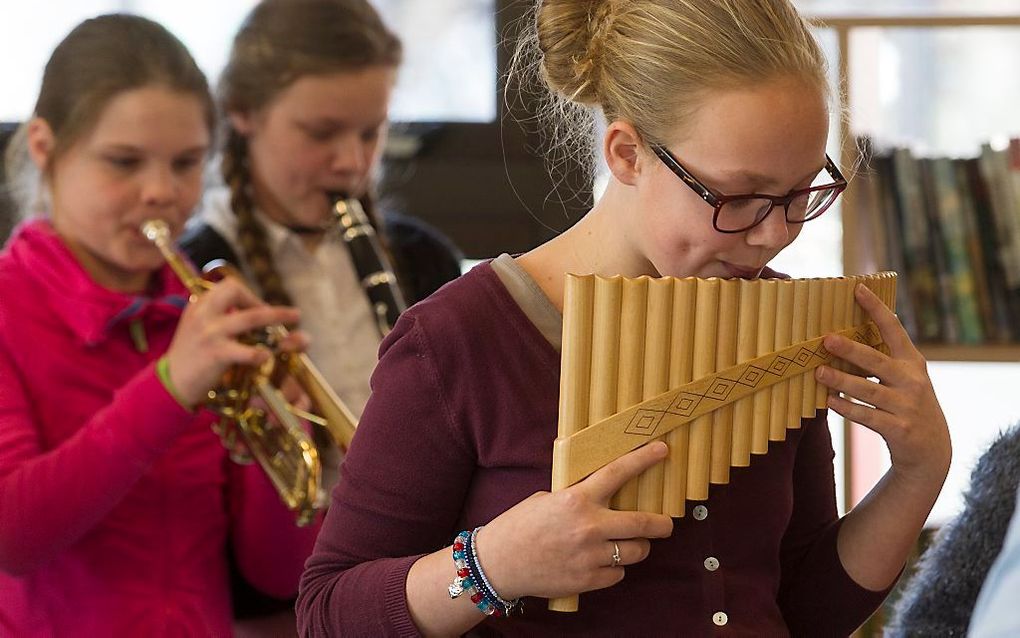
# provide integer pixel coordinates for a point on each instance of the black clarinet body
(370, 261)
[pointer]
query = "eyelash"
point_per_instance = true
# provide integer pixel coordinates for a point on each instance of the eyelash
(123, 163)
(319, 136)
(369, 135)
(187, 163)
(181, 165)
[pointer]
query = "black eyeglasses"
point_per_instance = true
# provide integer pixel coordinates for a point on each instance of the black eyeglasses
(737, 213)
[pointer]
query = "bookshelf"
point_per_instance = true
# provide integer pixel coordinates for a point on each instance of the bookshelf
(862, 450)
(988, 353)
(844, 24)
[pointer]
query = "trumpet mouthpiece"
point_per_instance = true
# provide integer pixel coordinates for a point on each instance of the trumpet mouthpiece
(154, 229)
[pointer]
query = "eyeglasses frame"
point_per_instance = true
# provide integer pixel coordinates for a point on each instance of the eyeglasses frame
(718, 200)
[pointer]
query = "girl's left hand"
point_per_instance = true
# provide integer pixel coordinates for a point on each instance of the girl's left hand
(901, 407)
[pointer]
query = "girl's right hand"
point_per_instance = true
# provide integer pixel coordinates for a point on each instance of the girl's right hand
(205, 343)
(562, 543)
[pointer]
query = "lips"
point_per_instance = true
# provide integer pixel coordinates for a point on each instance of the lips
(743, 272)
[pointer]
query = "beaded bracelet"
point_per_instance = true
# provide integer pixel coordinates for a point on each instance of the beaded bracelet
(471, 579)
(506, 606)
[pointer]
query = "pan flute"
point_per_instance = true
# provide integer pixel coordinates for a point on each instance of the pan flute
(717, 368)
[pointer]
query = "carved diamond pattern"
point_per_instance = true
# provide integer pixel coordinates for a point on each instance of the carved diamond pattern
(720, 389)
(752, 376)
(802, 357)
(779, 366)
(684, 404)
(644, 423)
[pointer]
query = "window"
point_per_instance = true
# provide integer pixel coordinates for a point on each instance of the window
(449, 71)
(465, 171)
(940, 91)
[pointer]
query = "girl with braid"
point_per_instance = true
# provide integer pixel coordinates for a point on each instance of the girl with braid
(304, 96)
(716, 119)
(304, 100)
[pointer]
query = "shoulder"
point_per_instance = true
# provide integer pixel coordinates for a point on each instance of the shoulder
(15, 257)
(203, 243)
(30, 291)
(410, 233)
(425, 258)
(472, 298)
(214, 211)
(941, 594)
(997, 473)
(467, 313)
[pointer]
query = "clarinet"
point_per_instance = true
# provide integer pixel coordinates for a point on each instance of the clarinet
(370, 261)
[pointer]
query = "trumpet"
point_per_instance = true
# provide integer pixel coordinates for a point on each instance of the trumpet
(281, 446)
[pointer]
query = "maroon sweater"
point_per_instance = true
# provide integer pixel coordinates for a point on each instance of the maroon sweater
(460, 427)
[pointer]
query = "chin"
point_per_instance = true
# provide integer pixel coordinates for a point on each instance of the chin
(312, 214)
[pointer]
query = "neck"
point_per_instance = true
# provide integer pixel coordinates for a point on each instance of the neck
(310, 236)
(598, 244)
(108, 274)
(306, 231)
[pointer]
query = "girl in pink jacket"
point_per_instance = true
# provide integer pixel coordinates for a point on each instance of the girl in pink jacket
(117, 502)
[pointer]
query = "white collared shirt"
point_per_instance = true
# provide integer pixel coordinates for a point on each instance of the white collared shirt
(324, 285)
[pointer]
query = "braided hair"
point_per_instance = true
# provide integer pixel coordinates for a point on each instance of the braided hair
(279, 42)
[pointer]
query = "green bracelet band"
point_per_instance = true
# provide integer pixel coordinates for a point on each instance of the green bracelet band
(163, 373)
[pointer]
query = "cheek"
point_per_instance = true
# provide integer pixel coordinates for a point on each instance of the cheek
(303, 164)
(191, 192)
(690, 247)
(373, 153)
(680, 231)
(795, 230)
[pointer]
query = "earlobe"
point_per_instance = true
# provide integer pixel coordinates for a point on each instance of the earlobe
(41, 141)
(240, 122)
(621, 147)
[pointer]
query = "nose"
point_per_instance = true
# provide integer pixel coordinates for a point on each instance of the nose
(160, 187)
(773, 232)
(349, 156)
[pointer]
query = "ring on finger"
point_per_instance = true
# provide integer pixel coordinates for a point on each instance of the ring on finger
(616, 555)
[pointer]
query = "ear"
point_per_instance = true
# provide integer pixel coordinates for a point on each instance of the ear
(241, 121)
(41, 141)
(621, 147)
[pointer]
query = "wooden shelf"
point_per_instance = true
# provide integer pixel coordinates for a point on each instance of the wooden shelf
(984, 353)
(908, 20)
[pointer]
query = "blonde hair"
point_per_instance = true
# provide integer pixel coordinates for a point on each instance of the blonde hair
(279, 42)
(652, 62)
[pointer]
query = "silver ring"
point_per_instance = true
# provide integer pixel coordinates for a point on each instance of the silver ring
(616, 555)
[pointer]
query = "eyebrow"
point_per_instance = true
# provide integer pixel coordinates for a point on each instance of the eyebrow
(337, 123)
(200, 148)
(760, 180)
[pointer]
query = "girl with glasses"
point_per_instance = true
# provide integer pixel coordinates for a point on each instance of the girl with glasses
(716, 119)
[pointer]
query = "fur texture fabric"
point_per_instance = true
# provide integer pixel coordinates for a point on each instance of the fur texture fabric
(939, 598)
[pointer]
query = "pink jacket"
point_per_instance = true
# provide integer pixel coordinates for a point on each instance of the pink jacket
(116, 505)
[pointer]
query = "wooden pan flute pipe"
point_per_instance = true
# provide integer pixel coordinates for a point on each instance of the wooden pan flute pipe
(717, 368)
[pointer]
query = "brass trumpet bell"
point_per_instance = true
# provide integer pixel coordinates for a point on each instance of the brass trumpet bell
(268, 431)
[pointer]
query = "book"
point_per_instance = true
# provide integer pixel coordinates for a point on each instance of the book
(958, 276)
(919, 272)
(1000, 326)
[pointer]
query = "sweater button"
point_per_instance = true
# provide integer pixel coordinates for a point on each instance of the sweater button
(720, 618)
(711, 563)
(700, 513)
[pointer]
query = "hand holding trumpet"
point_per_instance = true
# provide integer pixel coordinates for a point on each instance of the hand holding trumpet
(207, 341)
